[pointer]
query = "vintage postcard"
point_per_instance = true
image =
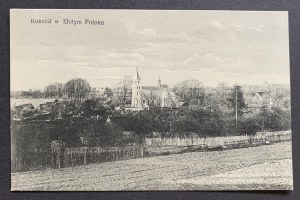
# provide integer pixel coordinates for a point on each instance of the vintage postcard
(113, 100)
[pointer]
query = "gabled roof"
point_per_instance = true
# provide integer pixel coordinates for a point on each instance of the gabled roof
(260, 94)
(155, 91)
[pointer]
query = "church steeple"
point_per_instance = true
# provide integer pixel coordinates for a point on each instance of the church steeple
(136, 75)
(136, 91)
(159, 82)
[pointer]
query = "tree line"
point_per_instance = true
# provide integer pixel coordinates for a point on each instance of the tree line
(77, 89)
(218, 111)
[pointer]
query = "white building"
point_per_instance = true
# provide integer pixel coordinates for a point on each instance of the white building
(146, 96)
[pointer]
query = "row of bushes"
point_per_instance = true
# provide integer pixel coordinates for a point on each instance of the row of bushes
(204, 122)
(169, 123)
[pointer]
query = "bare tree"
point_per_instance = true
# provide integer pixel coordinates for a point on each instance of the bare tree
(54, 90)
(77, 89)
(218, 100)
(189, 89)
(123, 89)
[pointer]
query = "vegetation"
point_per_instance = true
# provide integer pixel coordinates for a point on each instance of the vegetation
(122, 91)
(220, 111)
(55, 90)
(77, 89)
(189, 89)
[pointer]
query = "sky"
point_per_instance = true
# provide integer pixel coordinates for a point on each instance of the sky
(237, 47)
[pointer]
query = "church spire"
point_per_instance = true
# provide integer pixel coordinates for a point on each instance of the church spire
(136, 75)
(159, 82)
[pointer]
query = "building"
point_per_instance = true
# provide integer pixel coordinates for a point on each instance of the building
(151, 96)
(97, 93)
(22, 107)
(261, 99)
(136, 98)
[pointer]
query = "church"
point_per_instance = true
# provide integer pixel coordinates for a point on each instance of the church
(151, 96)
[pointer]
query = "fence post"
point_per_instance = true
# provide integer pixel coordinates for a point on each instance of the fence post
(75, 158)
(84, 157)
(142, 151)
(116, 152)
(58, 160)
(46, 161)
(71, 158)
(20, 163)
(52, 160)
(113, 154)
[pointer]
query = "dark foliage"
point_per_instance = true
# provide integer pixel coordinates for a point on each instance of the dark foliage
(92, 107)
(236, 99)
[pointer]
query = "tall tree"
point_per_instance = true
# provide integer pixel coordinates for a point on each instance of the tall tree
(77, 89)
(217, 98)
(54, 90)
(123, 89)
(189, 89)
(237, 101)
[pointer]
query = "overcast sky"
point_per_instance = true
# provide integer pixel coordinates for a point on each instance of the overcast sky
(211, 46)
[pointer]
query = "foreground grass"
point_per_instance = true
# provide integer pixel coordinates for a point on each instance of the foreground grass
(263, 167)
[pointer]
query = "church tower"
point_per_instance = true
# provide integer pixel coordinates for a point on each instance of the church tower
(136, 100)
(159, 82)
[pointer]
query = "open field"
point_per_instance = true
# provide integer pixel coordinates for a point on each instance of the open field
(263, 167)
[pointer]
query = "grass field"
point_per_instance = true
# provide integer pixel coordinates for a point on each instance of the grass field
(259, 168)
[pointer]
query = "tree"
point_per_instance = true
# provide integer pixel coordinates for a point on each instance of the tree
(108, 92)
(54, 90)
(29, 93)
(123, 89)
(249, 125)
(77, 89)
(69, 108)
(36, 94)
(92, 107)
(217, 99)
(113, 135)
(237, 101)
(189, 89)
(274, 119)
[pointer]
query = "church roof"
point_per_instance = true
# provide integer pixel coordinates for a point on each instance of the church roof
(151, 92)
(151, 87)
(156, 91)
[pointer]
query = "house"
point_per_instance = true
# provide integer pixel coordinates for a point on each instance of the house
(261, 99)
(50, 106)
(22, 107)
(97, 93)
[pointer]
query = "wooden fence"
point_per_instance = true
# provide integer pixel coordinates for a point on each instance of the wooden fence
(42, 159)
(212, 142)
(68, 157)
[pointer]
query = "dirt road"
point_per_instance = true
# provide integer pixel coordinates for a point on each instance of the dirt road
(261, 167)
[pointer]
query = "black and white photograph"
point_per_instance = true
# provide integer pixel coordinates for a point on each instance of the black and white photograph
(150, 100)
